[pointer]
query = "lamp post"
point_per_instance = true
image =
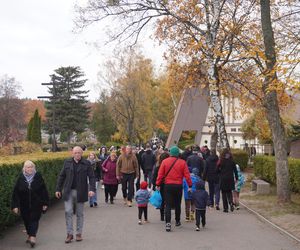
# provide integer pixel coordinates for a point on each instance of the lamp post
(54, 143)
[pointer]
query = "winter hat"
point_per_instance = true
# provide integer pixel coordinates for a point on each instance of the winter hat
(174, 151)
(200, 185)
(195, 171)
(144, 185)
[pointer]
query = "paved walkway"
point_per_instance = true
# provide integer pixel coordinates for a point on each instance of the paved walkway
(114, 227)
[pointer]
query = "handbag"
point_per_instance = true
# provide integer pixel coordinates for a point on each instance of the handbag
(163, 180)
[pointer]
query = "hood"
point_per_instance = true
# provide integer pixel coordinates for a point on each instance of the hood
(200, 185)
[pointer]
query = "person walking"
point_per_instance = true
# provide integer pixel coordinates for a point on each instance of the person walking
(103, 154)
(127, 170)
(195, 161)
(211, 175)
(227, 170)
(110, 180)
(142, 197)
(189, 204)
(148, 163)
(171, 173)
(97, 171)
(72, 186)
(163, 156)
(200, 197)
(29, 199)
(238, 186)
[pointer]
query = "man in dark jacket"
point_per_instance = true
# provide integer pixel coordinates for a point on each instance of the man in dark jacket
(195, 161)
(211, 175)
(73, 181)
(148, 163)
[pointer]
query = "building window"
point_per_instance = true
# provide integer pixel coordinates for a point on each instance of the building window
(240, 130)
(233, 130)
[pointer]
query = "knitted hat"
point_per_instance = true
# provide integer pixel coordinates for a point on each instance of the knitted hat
(144, 185)
(174, 151)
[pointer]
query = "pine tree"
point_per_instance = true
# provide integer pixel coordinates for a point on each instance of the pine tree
(69, 102)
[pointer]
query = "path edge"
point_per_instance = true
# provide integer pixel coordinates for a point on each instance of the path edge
(270, 223)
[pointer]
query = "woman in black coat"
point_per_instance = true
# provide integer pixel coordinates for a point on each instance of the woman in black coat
(163, 156)
(227, 170)
(30, 198)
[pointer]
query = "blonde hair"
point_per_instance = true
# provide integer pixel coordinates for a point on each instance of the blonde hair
(28, 163)
(113, 153)
(93, 154)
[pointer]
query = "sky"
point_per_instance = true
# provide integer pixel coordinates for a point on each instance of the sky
(36, 38)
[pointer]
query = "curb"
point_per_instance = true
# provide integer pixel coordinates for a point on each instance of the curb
(271, 223)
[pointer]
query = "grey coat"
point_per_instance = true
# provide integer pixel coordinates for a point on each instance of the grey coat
(65, 178)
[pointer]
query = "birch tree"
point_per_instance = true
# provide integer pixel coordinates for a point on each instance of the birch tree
(207, 26)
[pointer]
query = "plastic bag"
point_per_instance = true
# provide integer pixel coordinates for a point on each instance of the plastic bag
(155, 199)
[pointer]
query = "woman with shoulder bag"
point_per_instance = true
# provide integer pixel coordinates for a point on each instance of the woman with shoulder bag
(171, 173)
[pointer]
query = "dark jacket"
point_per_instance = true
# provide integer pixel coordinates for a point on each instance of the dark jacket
(195, 161)
(211, 173)
(65, 179)
(30, 200)
(200, 196)
(148, 160)
(227, 170)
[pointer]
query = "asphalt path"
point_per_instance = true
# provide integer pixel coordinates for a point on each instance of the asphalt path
(114, 227)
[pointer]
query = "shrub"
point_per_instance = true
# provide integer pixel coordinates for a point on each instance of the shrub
(48, 164)
(265, 168)
(240, 157)
(25, 147)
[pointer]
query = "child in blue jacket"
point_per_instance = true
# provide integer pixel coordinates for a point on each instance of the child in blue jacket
(189, 204)
(200, 198)
(142, 197)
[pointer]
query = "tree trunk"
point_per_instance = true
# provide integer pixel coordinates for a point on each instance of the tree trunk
(212, 70)
(272, 107)
(214, 140)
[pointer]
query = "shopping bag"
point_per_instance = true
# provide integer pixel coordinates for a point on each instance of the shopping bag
(155, 199)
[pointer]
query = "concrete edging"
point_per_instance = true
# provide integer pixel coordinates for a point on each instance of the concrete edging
(271, 223)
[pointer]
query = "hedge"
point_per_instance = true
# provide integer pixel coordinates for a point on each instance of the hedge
(48, 164)
(264, 167)
(240, 157)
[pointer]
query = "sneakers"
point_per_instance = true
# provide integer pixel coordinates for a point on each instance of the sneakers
(197, 228)
(231, 208)
(129, 203)
(140, 222)
(237, 207)
(125, 201)
(91, 205)
(217, 207)
(187, 219)
(95, 204)
(178, 224)
(168, 227)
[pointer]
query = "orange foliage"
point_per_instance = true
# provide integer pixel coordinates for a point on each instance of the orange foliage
(30, 106)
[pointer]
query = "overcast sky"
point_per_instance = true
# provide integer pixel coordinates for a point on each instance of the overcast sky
(36, 38)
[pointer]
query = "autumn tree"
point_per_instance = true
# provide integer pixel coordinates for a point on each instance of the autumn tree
(131, 79)
(11, 110)
(203, 32)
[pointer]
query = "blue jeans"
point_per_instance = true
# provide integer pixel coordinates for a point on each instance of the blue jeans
(214, 191)
(93, 199)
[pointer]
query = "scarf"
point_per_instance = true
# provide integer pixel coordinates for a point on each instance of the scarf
(29, 177)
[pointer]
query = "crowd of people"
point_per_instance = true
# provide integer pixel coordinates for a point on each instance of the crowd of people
(172, 172)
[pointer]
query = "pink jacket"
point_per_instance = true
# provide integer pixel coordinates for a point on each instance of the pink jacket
(109, 172)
